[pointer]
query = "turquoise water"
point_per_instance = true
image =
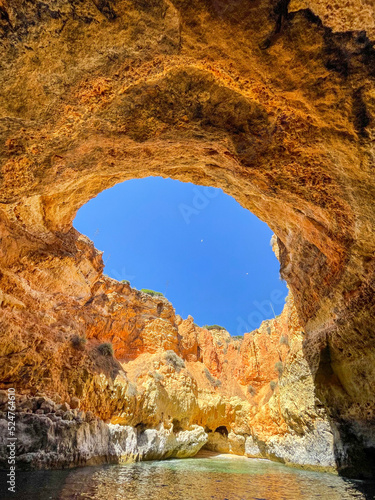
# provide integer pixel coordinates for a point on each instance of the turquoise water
(215, 478)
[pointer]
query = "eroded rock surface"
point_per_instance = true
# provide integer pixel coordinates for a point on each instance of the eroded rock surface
(67, 438)
(263, 99)
(252, 396)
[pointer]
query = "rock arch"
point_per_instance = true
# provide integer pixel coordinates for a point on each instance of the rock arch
(97, 93)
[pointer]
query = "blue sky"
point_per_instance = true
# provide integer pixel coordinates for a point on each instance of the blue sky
(210, 257)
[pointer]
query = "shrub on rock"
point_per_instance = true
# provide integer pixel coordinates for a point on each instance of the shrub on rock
(152, 292)
(105, 349)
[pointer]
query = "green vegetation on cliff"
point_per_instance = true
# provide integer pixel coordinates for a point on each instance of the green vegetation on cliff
(152, 292)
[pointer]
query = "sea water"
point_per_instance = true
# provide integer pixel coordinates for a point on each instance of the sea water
(207, 478)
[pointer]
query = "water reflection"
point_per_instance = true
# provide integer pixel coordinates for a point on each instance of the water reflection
(215, 478)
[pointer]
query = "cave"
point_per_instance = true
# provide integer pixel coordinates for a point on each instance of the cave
(222, 430)
(275, 109)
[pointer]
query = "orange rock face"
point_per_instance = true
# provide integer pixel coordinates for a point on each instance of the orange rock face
(131, 320)
(264, 99)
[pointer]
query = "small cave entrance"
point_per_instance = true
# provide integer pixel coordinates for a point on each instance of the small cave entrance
(140, 427)
(177, 425)
(222, 430)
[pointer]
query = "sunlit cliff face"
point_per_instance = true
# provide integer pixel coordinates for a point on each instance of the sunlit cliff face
(261, 99)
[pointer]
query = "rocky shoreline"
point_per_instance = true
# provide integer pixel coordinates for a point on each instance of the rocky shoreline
(55, 436)
(183, 389)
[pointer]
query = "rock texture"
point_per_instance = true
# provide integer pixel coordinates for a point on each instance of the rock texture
(67, 438)
(252, 396)
(353, 15)
(263, 99)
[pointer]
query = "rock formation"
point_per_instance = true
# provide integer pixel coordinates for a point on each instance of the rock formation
(170, 388)
(264, 99)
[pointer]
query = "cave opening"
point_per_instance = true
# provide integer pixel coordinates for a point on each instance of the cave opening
(222, 430)
(193, 244)
(195, 92)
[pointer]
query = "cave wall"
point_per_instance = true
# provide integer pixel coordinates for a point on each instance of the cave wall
(263, 99)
